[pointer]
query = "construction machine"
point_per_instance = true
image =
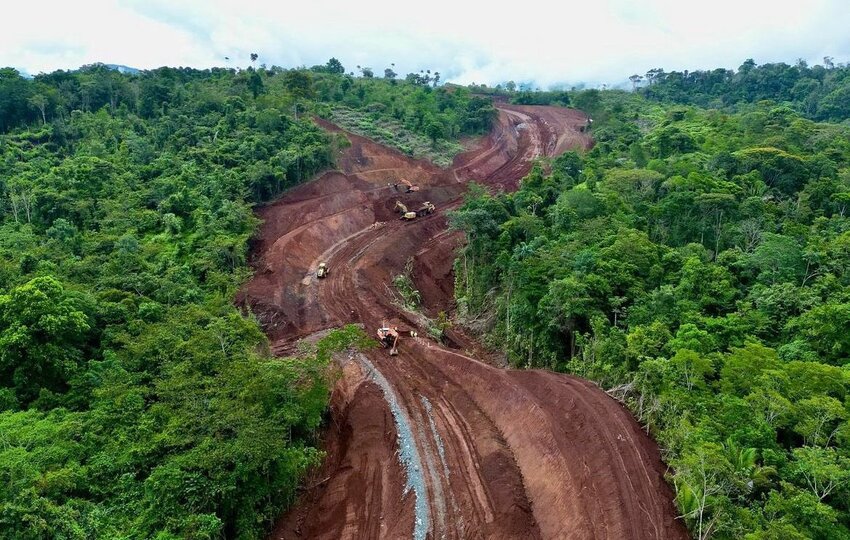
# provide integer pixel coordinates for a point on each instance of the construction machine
(388, 336)
(426, 208)
(408, 187)
(406, 214)
(405, 185)
(322, 271)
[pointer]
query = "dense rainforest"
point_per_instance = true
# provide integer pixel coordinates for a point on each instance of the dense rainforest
(135, 400)
(820, 92)
(696, 265)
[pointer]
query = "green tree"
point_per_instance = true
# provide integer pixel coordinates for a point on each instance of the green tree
(298, 83)
(821, 470)
(43, 330)
(819, 419)
(824, 327)
(702, 483)
(334, 66)
(692, 367)
(778, 259)
(255, 83)
(15, 93)
(434, 129)
(743, 366)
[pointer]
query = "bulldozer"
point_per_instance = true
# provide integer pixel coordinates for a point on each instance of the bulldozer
(388, 336)
(322, 271)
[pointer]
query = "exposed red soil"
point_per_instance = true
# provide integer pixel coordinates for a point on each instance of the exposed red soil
(500, 453)
(363, 464)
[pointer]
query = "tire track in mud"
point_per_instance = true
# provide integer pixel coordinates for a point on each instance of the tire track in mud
(479, 452)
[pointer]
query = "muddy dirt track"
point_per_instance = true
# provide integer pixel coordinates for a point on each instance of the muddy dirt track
(436, 443)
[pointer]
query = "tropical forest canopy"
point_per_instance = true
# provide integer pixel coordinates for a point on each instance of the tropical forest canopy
(135, 400)
(820, 92)
(696, 264)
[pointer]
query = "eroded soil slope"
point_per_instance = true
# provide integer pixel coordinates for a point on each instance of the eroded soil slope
(434, 442)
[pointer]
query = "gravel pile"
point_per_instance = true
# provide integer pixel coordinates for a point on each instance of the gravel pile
(408, 453)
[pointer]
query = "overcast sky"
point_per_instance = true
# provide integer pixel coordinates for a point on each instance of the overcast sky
(549, 43)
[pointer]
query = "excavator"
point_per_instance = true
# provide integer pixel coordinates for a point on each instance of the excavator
(426, 208)
(408, 187)
(388, 336)
(405, 213)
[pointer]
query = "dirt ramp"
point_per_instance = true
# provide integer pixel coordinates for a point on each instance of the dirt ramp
(493, 152)
(433, 443)
(561, 129)
(587, 468)
(356, 493)
(434, 272)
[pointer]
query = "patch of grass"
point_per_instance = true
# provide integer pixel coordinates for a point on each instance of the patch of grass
(437, 328)
(411, 298)
(394, 134)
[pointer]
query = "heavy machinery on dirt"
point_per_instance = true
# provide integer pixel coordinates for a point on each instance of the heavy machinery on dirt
(388, 336)
(322, 271)
(497, 431)
(406, 214)
(403, 184)
(426, 208)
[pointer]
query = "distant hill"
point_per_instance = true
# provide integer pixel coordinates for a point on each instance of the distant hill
(123, 69)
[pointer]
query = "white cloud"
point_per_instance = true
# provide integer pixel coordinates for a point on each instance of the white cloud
(545, 42)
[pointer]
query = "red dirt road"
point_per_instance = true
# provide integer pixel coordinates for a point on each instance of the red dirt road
(434, 443)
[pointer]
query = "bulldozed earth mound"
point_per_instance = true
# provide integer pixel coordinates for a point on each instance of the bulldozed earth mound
(437, 442)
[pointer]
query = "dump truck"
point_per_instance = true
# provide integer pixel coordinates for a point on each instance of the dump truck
(426, 208)
(322, 271)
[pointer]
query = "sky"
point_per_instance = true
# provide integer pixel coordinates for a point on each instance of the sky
(543, 43)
